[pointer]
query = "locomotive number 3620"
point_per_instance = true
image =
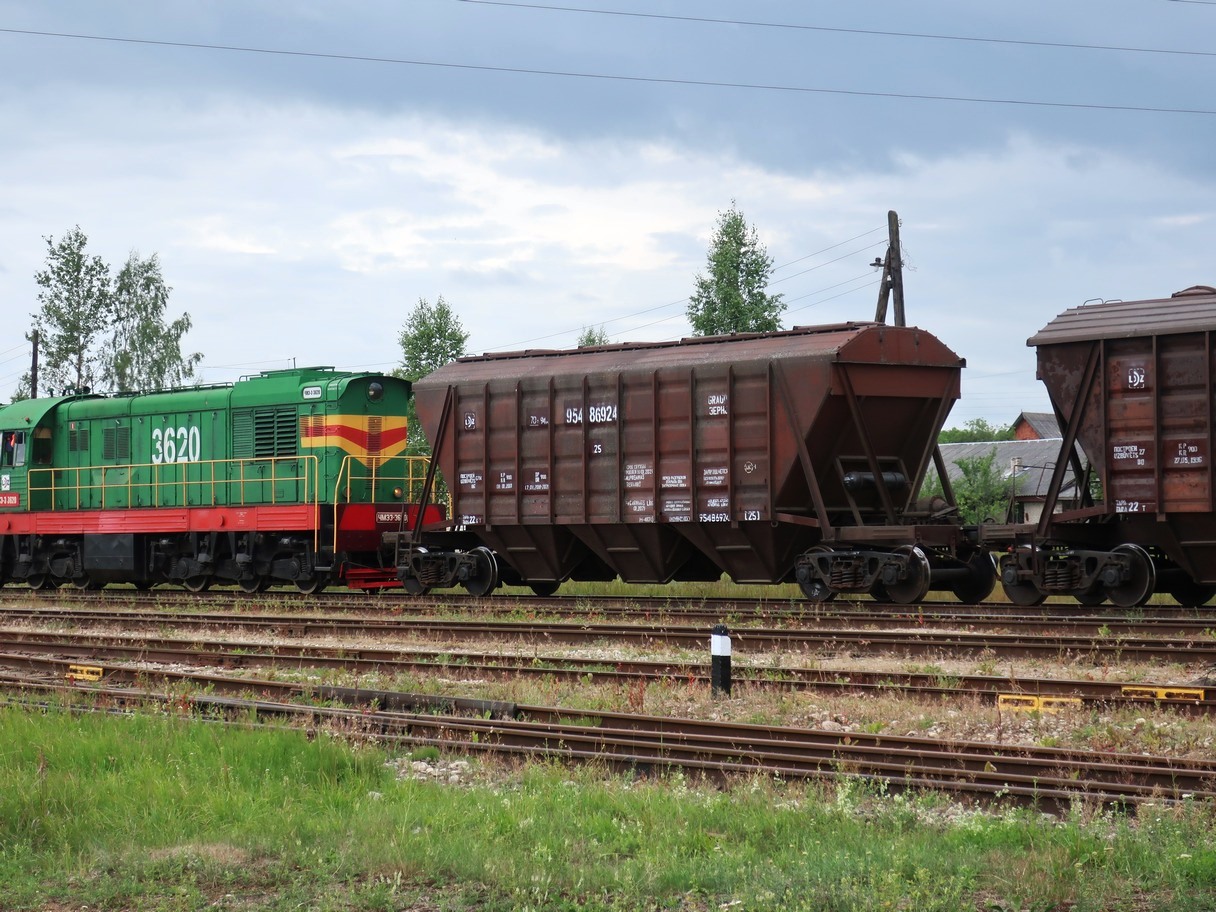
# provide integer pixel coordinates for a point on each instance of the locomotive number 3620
(180, 444)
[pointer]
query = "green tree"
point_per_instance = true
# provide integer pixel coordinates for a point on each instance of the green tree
(592, 336)
(145, 352)
(76, 313)
(977, 430)
(95, 330)
(982, 491)
(732, 296)
(431, 337)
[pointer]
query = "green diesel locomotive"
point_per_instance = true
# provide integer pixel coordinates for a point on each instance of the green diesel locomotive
(288, 477)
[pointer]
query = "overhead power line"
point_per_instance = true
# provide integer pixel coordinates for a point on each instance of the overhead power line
(637, 313)
(794, 26)
(617, 77)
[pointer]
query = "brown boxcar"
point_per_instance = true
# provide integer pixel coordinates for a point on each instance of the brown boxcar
(772, 457)
(1131, 382)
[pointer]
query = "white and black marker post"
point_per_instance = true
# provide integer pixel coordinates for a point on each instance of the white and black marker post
(719, 651)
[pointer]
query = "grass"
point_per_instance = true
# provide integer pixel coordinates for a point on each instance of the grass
(155, 813)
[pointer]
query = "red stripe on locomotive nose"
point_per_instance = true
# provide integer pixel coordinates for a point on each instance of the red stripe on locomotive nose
(357, 437)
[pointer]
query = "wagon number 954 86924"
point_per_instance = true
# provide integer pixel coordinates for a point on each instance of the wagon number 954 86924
(181, 444)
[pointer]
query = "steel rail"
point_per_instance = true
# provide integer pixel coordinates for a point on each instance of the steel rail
(1048, 778)
(1197, 650)
(16, 647)
(1174, 619)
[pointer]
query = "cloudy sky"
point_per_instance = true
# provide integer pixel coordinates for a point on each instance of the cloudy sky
(306, 171)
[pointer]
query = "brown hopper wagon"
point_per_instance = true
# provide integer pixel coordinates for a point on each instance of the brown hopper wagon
(778, 457)
(1131, 383)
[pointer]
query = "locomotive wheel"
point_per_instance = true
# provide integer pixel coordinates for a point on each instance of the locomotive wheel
(143, 585)
(915, 585)
(544, 588)
(312, 586)
(84, 581)
(1191, 594)
(979, 585)
(197, 583)
(485, 578)
(41, 581)
(1136, 589)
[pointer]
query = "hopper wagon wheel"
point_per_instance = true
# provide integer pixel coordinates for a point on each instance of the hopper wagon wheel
(816, 589)
(544, 588)
(1024, 593)
(1142, 580)
(313, 585)
(915, 584)
(979, 585)
(197, 583)
(1091, 599)
(484, 578)
(1191, 594)
(41, 581)
(252, 585)
(143, 585)
(411, 584)
(1021, 592)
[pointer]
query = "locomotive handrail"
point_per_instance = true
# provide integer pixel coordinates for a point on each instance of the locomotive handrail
(149, 477)
(415, 469)
(375, 478)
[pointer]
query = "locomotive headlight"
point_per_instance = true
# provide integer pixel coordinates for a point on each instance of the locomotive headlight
(375, 391)
(398, 493)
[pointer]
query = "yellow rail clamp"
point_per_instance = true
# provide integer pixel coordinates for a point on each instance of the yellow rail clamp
(1031, 703)
(1195, 694)
(84, 672)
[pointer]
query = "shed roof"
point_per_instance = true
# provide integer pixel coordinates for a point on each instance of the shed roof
(1030, 462)
(1044, 424)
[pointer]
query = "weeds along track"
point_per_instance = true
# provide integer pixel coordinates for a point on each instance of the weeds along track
(62, 656)
(1049, 778)
(907, 640)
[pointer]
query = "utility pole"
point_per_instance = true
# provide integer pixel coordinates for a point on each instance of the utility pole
(34, 366)
(892, 276)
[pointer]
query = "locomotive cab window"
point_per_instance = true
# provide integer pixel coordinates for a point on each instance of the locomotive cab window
(12, 451)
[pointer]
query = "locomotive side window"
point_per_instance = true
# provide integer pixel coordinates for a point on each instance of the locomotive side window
(42, 446)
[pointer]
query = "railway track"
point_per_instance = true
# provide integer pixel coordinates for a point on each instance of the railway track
(1163, 619)
(63, 655)
(1194, 649)
(1048, 778)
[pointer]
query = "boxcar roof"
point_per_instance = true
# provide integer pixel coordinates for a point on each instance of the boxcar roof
(1190, 310)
